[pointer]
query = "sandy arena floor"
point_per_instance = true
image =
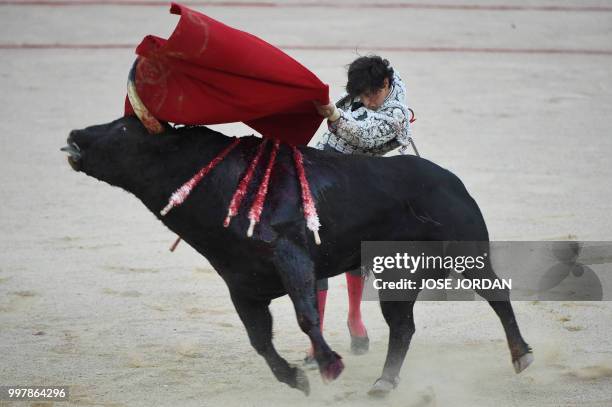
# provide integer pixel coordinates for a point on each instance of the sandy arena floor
(515, 100)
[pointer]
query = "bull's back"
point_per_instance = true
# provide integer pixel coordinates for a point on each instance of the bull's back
(363, 186)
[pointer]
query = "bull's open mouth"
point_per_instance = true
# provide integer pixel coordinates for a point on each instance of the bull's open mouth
(74, 154)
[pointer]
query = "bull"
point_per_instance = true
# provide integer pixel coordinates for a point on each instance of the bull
(358, 198)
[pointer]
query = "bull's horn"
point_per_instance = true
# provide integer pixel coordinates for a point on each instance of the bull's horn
(152, 125)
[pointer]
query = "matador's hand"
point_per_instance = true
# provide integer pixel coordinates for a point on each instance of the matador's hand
(329, 111)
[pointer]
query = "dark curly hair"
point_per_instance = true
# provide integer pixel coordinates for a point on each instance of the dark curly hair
(367, 74)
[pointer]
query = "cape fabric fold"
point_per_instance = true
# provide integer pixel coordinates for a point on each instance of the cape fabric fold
(210, 73)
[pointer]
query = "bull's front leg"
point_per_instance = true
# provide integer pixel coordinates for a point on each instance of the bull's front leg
(297, 273)
(256, 317)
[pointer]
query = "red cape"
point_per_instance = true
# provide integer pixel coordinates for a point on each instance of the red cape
(210, 73)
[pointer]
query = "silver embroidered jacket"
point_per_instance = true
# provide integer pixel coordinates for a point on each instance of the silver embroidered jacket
(371, 132)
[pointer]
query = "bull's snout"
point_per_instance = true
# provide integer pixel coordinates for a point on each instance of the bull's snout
(73, 150)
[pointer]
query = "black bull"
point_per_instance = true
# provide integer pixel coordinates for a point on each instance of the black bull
(358, 198)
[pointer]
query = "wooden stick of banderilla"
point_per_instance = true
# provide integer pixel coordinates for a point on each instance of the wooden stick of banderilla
(176, 242)
(410, 140)
(414, 146)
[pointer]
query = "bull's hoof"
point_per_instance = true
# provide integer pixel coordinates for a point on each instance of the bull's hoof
(523, 362)
(301, 381)
(360, 345)
(382, 387)
(332, 370)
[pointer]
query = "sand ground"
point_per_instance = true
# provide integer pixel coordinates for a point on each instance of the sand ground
(90, 297)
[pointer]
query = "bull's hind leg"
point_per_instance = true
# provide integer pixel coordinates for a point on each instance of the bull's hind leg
(399, 317)
(521, 353)
(499, 300)
(297, 274)
(256, 317)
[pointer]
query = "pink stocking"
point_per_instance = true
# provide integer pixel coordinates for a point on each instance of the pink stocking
(354, 285)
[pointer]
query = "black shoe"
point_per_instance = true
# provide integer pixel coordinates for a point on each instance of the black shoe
(360, 345)
(310, 362)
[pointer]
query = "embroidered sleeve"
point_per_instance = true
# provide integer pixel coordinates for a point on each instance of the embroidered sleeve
(377, 129)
